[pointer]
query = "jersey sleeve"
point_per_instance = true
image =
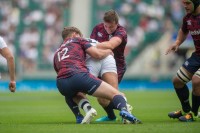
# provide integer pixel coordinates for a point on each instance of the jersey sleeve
(2, 43)
(121, 34)
(184, 25)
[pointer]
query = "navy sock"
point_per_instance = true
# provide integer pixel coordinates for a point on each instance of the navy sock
(73, 106)
(195, 104)
(183, 95)
(109, 110)
(119, 102)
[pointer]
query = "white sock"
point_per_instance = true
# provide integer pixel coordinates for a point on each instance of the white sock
(85, 105)
(125, 98)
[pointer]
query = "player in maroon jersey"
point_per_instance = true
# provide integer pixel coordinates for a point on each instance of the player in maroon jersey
(189, 70)
(73, 76)
(112, 36)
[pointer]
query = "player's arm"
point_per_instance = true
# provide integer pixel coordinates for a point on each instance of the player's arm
(98, 53)
(179, 40)
(6, 53)
(111, 44)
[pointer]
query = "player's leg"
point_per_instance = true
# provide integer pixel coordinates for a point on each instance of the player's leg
(184, 75)
(196, 92)
(75, 109)
(84, 103)
(108, 92)
(112, 79)
(108, 73)
(182, 91)
(193, 114)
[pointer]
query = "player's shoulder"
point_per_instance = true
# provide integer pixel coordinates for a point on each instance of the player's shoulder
(187, 16)
(99, 26)
(121, 31)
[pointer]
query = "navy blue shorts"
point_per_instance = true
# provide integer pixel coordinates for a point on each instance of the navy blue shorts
(80, 82)
(192, 64)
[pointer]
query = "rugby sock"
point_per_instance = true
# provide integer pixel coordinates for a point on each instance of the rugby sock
(183, 95)
(119, 102)
(109, 110)
(195, 104)
(73, 106)
(85, 105)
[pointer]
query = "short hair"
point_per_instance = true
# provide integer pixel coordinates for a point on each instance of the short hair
(111, 16)
(67, 32)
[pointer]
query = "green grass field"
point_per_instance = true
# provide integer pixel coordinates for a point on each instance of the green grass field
(46, 112)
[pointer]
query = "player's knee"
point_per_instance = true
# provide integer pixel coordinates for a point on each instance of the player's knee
(181, 78)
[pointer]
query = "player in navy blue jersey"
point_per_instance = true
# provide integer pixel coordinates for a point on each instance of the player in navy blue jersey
(112, 36)
(73, 76)
(6, 53)
(190, 69)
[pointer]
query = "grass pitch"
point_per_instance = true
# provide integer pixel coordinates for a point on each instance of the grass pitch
(46, 112)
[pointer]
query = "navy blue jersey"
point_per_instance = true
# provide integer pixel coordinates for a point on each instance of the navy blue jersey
(70, 57)
(99, 33)
(191, 24)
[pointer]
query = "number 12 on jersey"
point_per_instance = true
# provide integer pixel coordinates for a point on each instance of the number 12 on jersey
(62, 54)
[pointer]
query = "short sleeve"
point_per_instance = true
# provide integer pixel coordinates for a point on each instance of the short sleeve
(2, 43)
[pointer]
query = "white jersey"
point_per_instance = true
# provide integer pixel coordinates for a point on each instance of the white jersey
(99, 67)
(2, 43)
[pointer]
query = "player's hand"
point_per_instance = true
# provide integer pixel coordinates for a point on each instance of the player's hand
(12, 86)
(173, 48)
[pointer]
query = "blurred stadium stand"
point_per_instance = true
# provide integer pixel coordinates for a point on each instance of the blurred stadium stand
(32, 30)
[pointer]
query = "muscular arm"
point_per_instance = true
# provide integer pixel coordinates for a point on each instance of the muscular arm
(111, 44)
(179, 40)
(98, 53)
(181, 37)
(5, 52)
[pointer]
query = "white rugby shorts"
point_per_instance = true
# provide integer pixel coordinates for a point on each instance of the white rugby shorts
(99, 67)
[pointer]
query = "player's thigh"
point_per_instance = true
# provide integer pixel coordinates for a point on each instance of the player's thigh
(110, 78)
(105, 91)
(109, 71)
(187, 70)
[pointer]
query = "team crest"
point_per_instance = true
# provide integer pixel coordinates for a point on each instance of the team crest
(100, 34)
(189, 22)
(110, 36)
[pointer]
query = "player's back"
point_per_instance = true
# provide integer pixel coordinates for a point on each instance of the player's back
(69, 59)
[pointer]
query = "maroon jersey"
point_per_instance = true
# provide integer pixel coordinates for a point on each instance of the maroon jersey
(99, 33)
(69, 59)
(191, 24)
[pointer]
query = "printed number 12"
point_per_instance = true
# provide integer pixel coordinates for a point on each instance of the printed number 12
(64, 56)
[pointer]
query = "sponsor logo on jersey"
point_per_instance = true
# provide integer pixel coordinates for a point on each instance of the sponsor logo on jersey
(186, 63)
(110, 36)
(99, 34)
(195, 32)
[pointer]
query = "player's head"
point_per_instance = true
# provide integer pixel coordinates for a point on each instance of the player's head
(111, 20)
(196, 3)
(191, 5)
(71, 32)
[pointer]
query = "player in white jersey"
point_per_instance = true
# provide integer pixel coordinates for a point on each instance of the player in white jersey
(6, 53)
(100, 67)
